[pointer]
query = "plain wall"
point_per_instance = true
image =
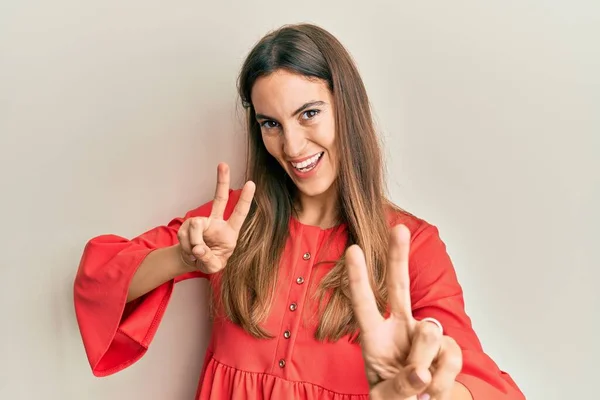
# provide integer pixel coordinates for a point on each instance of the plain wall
(114, 115)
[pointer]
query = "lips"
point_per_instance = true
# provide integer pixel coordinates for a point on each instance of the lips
(308, 164)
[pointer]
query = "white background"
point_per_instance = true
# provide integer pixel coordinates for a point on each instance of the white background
(114, 115)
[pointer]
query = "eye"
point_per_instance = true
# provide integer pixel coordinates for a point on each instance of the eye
(269, 124)
(310, 114)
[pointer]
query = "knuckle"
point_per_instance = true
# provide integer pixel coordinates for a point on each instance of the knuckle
(196, 223)
(450, 342)
(436, 387)
(398, 385)
(239, 212)
(182, 235)
(453, 360)
(204, 255)
(430, 333)
(453, 345)
(454, 363)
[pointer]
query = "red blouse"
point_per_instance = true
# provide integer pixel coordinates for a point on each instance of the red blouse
(292, 365)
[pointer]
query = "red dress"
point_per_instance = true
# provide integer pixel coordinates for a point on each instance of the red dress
(292, 365)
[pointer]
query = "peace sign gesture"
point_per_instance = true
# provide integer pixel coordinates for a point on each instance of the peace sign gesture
(207, 243)
(404, 358)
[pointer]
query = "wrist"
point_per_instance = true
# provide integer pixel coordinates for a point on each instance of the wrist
(173, 263)
(183, 266)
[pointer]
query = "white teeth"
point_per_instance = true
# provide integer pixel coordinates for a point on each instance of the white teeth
(308, 162)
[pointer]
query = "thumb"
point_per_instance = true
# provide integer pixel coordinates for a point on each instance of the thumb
(408, 382)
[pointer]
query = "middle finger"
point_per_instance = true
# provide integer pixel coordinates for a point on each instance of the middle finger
(398, 280)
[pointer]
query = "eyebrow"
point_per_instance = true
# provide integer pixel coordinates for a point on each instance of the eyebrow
(298, 111)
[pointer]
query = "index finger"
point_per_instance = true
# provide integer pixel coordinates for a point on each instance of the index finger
(221, 192)
(363, 300)
(240, 212)
(398, 281)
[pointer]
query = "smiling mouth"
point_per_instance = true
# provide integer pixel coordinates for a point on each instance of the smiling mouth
(308, 165)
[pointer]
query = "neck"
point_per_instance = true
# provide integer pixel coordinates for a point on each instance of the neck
(321, 210)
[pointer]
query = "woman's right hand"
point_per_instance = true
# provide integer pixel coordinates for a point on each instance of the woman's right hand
(206, 243)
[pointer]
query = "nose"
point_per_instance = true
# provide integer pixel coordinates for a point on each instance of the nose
(294, 142)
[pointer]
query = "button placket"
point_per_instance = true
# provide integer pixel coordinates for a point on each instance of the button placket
(296, 296)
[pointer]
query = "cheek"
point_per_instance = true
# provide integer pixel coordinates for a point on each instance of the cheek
(272, 145)
(327, 132)
(330, 144)
(326, 138)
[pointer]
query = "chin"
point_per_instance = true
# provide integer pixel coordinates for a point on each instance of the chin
(319, 187)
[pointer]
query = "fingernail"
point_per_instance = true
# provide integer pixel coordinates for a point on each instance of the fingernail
(415, 379)
(423, 396)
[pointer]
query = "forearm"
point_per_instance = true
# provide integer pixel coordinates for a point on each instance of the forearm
(160, 266)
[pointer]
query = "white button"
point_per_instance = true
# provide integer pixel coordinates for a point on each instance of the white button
(306, 256)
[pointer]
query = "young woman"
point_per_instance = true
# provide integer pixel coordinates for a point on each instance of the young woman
(321, 287)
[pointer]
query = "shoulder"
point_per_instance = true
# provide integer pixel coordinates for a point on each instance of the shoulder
(396, 216)
(428, 255)
(421, 231)
(205, 209)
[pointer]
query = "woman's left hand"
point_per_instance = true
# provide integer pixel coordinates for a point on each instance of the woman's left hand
(404, 358)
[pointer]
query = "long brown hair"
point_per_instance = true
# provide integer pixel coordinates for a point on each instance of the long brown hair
(247, 289)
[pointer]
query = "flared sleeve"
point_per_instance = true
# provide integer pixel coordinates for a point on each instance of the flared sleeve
(115, 333)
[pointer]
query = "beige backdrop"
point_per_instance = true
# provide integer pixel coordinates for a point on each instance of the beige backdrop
(114, 115)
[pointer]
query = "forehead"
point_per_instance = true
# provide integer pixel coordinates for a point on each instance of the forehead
(282, 91)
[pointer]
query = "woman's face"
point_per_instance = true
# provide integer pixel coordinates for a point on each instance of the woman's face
(296, 116)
